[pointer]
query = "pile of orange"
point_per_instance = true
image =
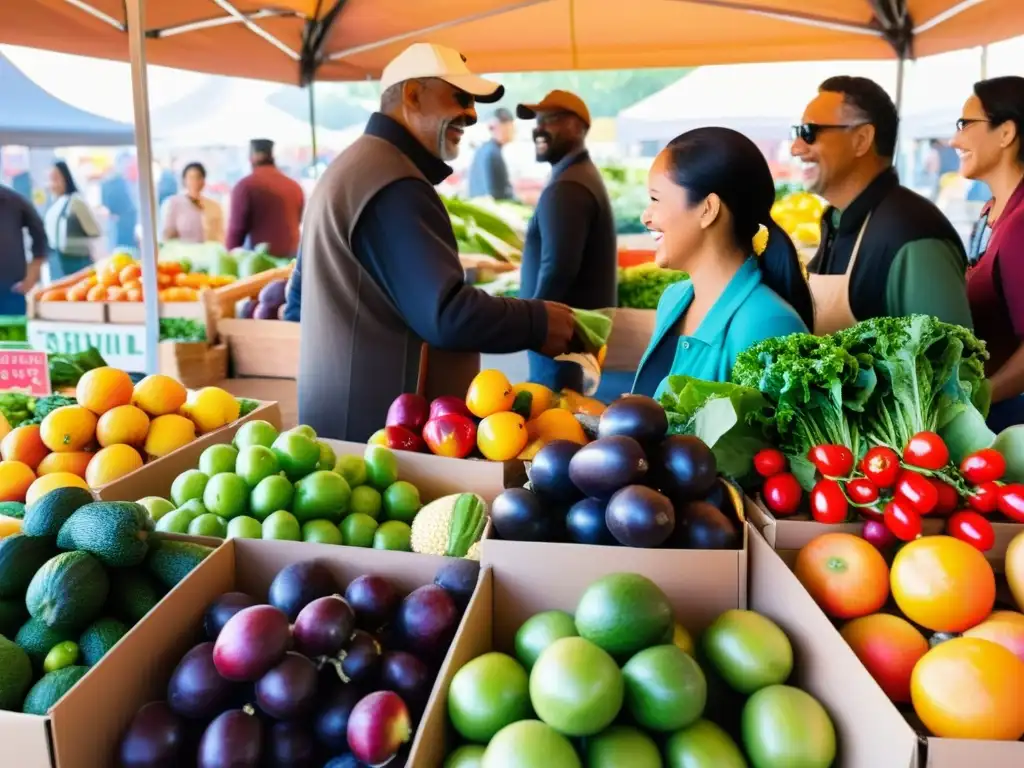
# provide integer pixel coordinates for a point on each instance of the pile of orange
(119, 278)
(113, 428)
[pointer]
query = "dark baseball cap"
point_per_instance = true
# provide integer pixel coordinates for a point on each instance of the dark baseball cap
(261, 145)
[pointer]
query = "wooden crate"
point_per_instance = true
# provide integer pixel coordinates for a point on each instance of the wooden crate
(65, 311)
(194, 364)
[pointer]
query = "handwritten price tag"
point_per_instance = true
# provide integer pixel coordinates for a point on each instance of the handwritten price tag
(25, 371)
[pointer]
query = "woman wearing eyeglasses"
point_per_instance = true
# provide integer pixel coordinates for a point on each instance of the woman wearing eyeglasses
(191, 216)
(711, 190)
(989, 139)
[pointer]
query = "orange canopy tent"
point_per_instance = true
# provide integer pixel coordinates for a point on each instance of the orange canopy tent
(298, 41)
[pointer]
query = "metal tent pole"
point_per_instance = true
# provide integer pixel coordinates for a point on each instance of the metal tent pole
(312, 129)
(147, 195)
(984, 63)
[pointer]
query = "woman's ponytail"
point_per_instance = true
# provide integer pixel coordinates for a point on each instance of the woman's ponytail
(782, 271)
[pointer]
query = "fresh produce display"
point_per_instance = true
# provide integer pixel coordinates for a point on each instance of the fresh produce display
(488, 227)
(119, 278)
(314, 674)
(799, 215)
(73, 581)
(495, 421)
(267, 305)
(633, 486)
(640, 287)
(620, 682)
(291, 486)
(952, 653)
(214, 259)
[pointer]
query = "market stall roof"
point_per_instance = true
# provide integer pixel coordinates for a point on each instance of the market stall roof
(43, 120)
(300, 40)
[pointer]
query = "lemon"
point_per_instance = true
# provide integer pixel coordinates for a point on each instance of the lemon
(211, 408)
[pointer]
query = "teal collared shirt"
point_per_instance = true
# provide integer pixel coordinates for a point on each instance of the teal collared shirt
(748, 311)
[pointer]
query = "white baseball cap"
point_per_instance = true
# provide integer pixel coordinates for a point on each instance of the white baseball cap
(422, 60)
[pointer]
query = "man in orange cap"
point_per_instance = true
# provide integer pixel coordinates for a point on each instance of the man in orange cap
(570, 255)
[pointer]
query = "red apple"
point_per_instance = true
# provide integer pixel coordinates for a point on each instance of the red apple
(452, 435)
(409, 411)
(378, 726)
(397, 438)
(449, 404)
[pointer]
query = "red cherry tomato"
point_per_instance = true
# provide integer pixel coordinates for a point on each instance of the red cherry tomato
(985, 497)
(967, 525)
(949, 499)
(983, 466)
(902, 520)
(832, 460)
(769, 462)
(862, 491)
(1011, 501)
(926, 450)
(881, 466)
(828, 503)
(782, 493)
(918, 492)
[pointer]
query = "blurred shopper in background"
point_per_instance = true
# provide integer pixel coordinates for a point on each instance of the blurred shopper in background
(885, 250)
(116, 197)
(71, 225)
(989, 138)
(266, 206)
(488, 175)
(17, 278)
(191, 216)
(570, 254)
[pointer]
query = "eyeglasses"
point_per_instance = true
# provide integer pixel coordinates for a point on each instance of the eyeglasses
(808, 132)
(963, 122)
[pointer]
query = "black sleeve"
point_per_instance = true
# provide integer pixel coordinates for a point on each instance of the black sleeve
(496, 171)
(34, 224)
(564, 218)
(404, 239)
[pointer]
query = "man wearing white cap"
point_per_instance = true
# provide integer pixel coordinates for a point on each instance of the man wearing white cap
(381, 281)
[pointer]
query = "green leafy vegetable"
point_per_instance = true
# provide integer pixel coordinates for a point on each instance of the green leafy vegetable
(44, 405)
(16, 407)
(247, 406)
(641, 286)
(593, 327)
(66, 368)
(181, 329)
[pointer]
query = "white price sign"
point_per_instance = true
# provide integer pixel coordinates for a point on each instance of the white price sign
(122, 346)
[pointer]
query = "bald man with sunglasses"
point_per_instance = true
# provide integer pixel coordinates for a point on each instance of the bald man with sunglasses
(885, 251)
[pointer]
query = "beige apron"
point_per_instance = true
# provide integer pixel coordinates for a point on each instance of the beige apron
(831, 294)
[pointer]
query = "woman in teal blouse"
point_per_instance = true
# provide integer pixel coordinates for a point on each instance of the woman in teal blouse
(711, 190)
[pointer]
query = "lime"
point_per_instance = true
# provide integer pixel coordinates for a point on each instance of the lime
(466, 756)
(393, 535)
(217, 459)
(226, 495)
(244, 528)
(381, 466)
(189, 485)
(327, 458)
(665, 688)
(622, 745)
(488, 693)
(177, 521)
(283, 526)
(209, 525)
(323, 495)
(539, 631)
(194, 507)
(358, 530)
(367, 500)
(297, 454)
(256, 462)
(156, 507)
(321, 532)
(402, 501)
(271, 494)
(576, 687)
(353, 469)
(530, 744)
(61, 655)
(303, 429)
(255, 433)
(624, 613)
(703, 744)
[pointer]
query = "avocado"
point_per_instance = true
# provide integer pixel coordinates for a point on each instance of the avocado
(99, 637)
(68, 591)
(46, 515)
(133, 594)
(15, 674)
(20, 557)
(172, 561)
(12, 616)
(113, 531)
(51, 688)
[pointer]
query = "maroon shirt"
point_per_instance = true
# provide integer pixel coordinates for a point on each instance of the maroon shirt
(266, 207)
(995, 286)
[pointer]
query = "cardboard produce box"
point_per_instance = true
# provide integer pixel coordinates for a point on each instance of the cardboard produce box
(700, 585)
(195, 364)
(87, 725)
(631, 333)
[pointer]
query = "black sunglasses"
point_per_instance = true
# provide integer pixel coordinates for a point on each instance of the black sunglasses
(963, 122)
(808, 132)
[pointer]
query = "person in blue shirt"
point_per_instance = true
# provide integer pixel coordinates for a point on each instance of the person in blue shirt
(711, 191)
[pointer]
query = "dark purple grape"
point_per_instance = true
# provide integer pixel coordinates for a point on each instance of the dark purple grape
(233, 740)
(427, 619)
(196, 689)
(299, 584)
(361, 661)
(409, 677)
(330, 723)
(289, 689)
(324, 626)
(154, 739)
(290, 745)
(222, 609)
(374, 600)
